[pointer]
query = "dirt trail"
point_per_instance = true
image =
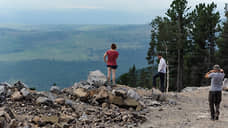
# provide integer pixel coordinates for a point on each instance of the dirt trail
(191, 111)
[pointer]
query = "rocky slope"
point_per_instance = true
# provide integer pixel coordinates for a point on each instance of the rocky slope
(92, 104)
(87, 104)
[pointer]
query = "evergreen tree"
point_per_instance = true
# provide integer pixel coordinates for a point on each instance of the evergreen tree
(223, 46)
(132, 76)
(203, 28)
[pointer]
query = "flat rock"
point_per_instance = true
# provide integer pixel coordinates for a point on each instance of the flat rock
(81, 93)
(43, 100)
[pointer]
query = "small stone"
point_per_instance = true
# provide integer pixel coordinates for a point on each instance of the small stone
(125, 118)
(104, 105)
(60, 101)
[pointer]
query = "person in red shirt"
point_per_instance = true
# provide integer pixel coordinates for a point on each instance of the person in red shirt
(112, 55)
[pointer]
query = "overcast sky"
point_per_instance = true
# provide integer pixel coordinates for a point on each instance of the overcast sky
(144, 10)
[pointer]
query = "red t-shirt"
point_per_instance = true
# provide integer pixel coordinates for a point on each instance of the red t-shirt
(112, 56)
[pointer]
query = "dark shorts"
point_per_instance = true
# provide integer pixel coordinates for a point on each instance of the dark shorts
(112, 66)
(215, 97)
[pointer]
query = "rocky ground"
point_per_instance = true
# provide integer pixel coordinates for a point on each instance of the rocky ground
(191, 111)
(92, 104)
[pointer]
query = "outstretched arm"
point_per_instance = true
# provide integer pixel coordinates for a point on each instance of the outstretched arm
(207, 74)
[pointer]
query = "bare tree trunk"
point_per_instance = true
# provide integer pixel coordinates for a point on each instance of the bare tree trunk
(167, 87)
(167, 63)
(178, 71)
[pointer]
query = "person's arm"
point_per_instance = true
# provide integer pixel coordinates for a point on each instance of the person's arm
(207, 75)
(117, 55)
(105, 57)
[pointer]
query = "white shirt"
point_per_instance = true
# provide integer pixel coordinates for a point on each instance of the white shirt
(162, 66)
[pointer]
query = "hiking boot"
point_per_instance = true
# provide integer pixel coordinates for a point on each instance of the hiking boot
(217, 116)
(212, 118)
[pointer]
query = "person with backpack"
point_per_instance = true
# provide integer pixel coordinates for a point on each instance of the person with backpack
(215, 93)
(112, 55)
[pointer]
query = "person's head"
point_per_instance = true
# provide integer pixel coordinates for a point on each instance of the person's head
(159, 55)
(216, 67)
(113, 46)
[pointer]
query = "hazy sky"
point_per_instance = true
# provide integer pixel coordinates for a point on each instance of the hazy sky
(142, 10)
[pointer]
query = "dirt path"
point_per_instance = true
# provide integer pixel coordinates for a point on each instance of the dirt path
(191, 111)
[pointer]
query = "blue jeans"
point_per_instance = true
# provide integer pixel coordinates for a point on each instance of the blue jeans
(162, 79)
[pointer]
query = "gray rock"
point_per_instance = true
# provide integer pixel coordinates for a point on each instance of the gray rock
(83, 82)
(25, 92)
(19, 85)
(189, 89)
(6, 84)
(84, 117)
(77, 85)
(69, 102)
(55, 89)
(96, 78)
(84, 85)
(9, 93)
(43, 100)
(172, 102)
(3, 90)
(133, 94)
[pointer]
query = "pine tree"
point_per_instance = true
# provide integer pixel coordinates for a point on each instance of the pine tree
(223, 46)
(204, 25)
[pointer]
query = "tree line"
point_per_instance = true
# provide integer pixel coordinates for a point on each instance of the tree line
(191, 41)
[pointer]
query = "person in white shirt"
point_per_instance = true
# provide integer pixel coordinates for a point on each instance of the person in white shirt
(161, 73)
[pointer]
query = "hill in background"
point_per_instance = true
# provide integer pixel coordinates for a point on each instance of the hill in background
(41, 55)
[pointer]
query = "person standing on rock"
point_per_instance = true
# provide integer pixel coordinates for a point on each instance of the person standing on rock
(161, 72)
(215, 93)
(112, 55)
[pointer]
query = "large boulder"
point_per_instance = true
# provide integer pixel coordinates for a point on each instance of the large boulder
(96, 78)
(225, 84)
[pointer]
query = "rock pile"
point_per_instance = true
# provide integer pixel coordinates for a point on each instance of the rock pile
(86, 104)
